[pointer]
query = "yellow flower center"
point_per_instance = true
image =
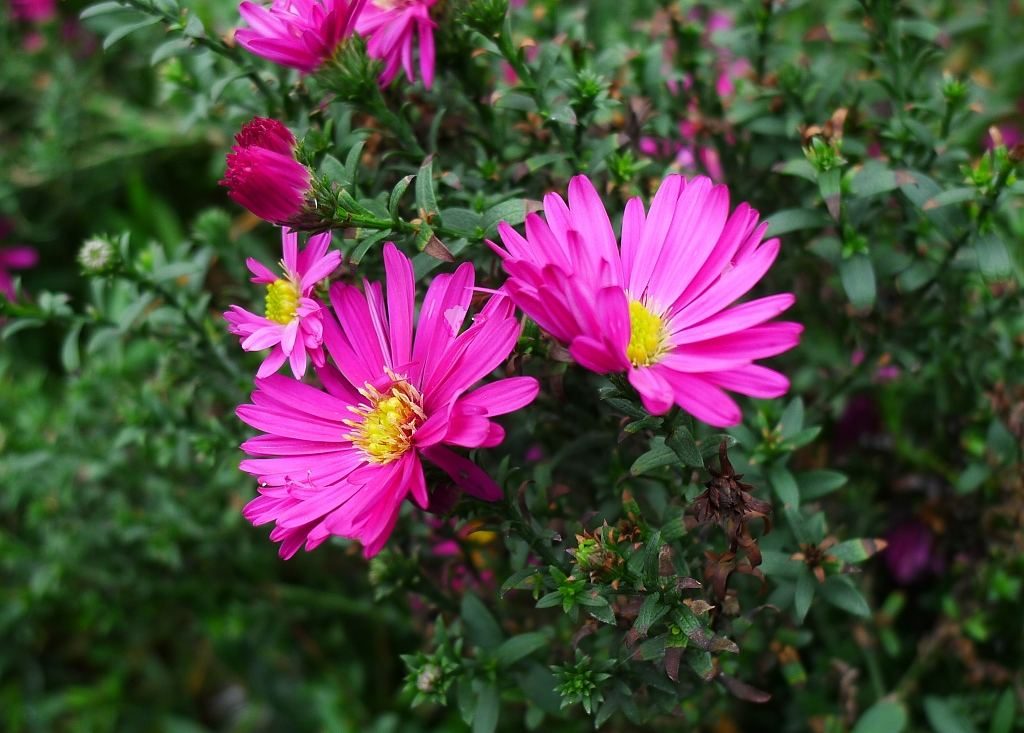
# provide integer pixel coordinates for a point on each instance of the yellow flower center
(282, 300)
(390, 419)
(647, 335)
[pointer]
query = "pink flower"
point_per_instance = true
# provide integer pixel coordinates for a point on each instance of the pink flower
(14, 258)
(33, 11)
(262, 173)
(341, 461)
(657, 309)
(292, 324)
(389, 26)
(297, 33)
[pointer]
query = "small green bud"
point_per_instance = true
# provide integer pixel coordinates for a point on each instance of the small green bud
(97, 256)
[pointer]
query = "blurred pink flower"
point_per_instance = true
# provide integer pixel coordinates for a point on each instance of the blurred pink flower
(909, 554)
(658, 309)
(342, 461)
(292, 324)
(391, 27)
(33, 11)
(14, 258)
(262, 173)
(301, 34)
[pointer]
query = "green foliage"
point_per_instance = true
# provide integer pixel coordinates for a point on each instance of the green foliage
(644, 571)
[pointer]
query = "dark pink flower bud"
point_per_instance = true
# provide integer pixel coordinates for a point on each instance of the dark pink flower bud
(263, 175)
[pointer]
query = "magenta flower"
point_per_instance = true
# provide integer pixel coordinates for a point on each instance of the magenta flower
(263, 175)
(390, 27)
(292, 324)
(33, 11)
(341, 461)
(14, 258)
(297, 33)
(657, 309)
(910, 553)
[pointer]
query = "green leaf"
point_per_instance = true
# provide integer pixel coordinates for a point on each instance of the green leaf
(805, 586)
(1005, 712)
(167, 49)
(366, 244)
(488, 706)
(944, 718)
(69, 355)
(681, 441)
(993, 259)
(20, 324)
(951, 196)
(550, 600)
(858, 550)
(426, 200)
(602, 612)
(778, 563)
(650, 613)
(840, 591)
(828, 185)
(512, 211)
(815, 484)
(659, 456)
(481, 628)
(858, 277)
(396, 195)
(123, 31)
(885, 716)
(515, 579)
(784, 485)
(791, 220)
(792, 420)
(518, 647)
(874, 178)
(101, 9)
(972, 477)
(800, 167)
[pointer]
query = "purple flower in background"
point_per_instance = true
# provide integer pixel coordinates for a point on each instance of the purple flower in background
(909, 554)
(33, 11)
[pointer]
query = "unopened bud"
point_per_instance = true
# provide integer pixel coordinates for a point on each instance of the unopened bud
(427, 679)
(96, 256)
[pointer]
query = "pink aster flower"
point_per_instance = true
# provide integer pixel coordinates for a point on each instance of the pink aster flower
(342, 461)
(390, 27)
(658, 308)
(292, 324)
(297, 33)
(14, 258)
(262, 173)
(33, 11)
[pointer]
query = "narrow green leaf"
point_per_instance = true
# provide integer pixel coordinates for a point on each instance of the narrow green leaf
(993, 258)
(829, 186)
(792, 420)
(101, 9)
(518, 647)
(944, 718)
(885, 716)
(512, 211)
(815, 484)
(396, 195)
(858, 277)
(858, 550)
(426, 199)
(805, 585)
(1005, 712)
(874, 178)
(840, 591)
(784, 485)
(659, 456)
(481, 628)
(123, 31)
(488, 707)
(69, 354)
(791, 220)
(681, 441)
(515, 579)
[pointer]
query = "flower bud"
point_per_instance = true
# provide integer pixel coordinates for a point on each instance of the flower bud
(97, 256)
(263, 175)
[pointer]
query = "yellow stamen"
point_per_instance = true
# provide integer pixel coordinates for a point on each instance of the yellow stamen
(282, 301)
(647, 335)
(390, 420)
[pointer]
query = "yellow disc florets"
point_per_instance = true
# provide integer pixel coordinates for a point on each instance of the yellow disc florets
(282, 301)
(648, 336)
(390, 419)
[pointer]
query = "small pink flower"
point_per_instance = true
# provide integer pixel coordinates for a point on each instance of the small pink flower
(657, 309)
(390, 27)
(292, 324)
(342, 461)
(262, 173)
(301, 34)
(33, 11)
(14, 258)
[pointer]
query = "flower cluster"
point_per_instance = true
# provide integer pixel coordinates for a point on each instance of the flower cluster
(657, 303)
(304, 34)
